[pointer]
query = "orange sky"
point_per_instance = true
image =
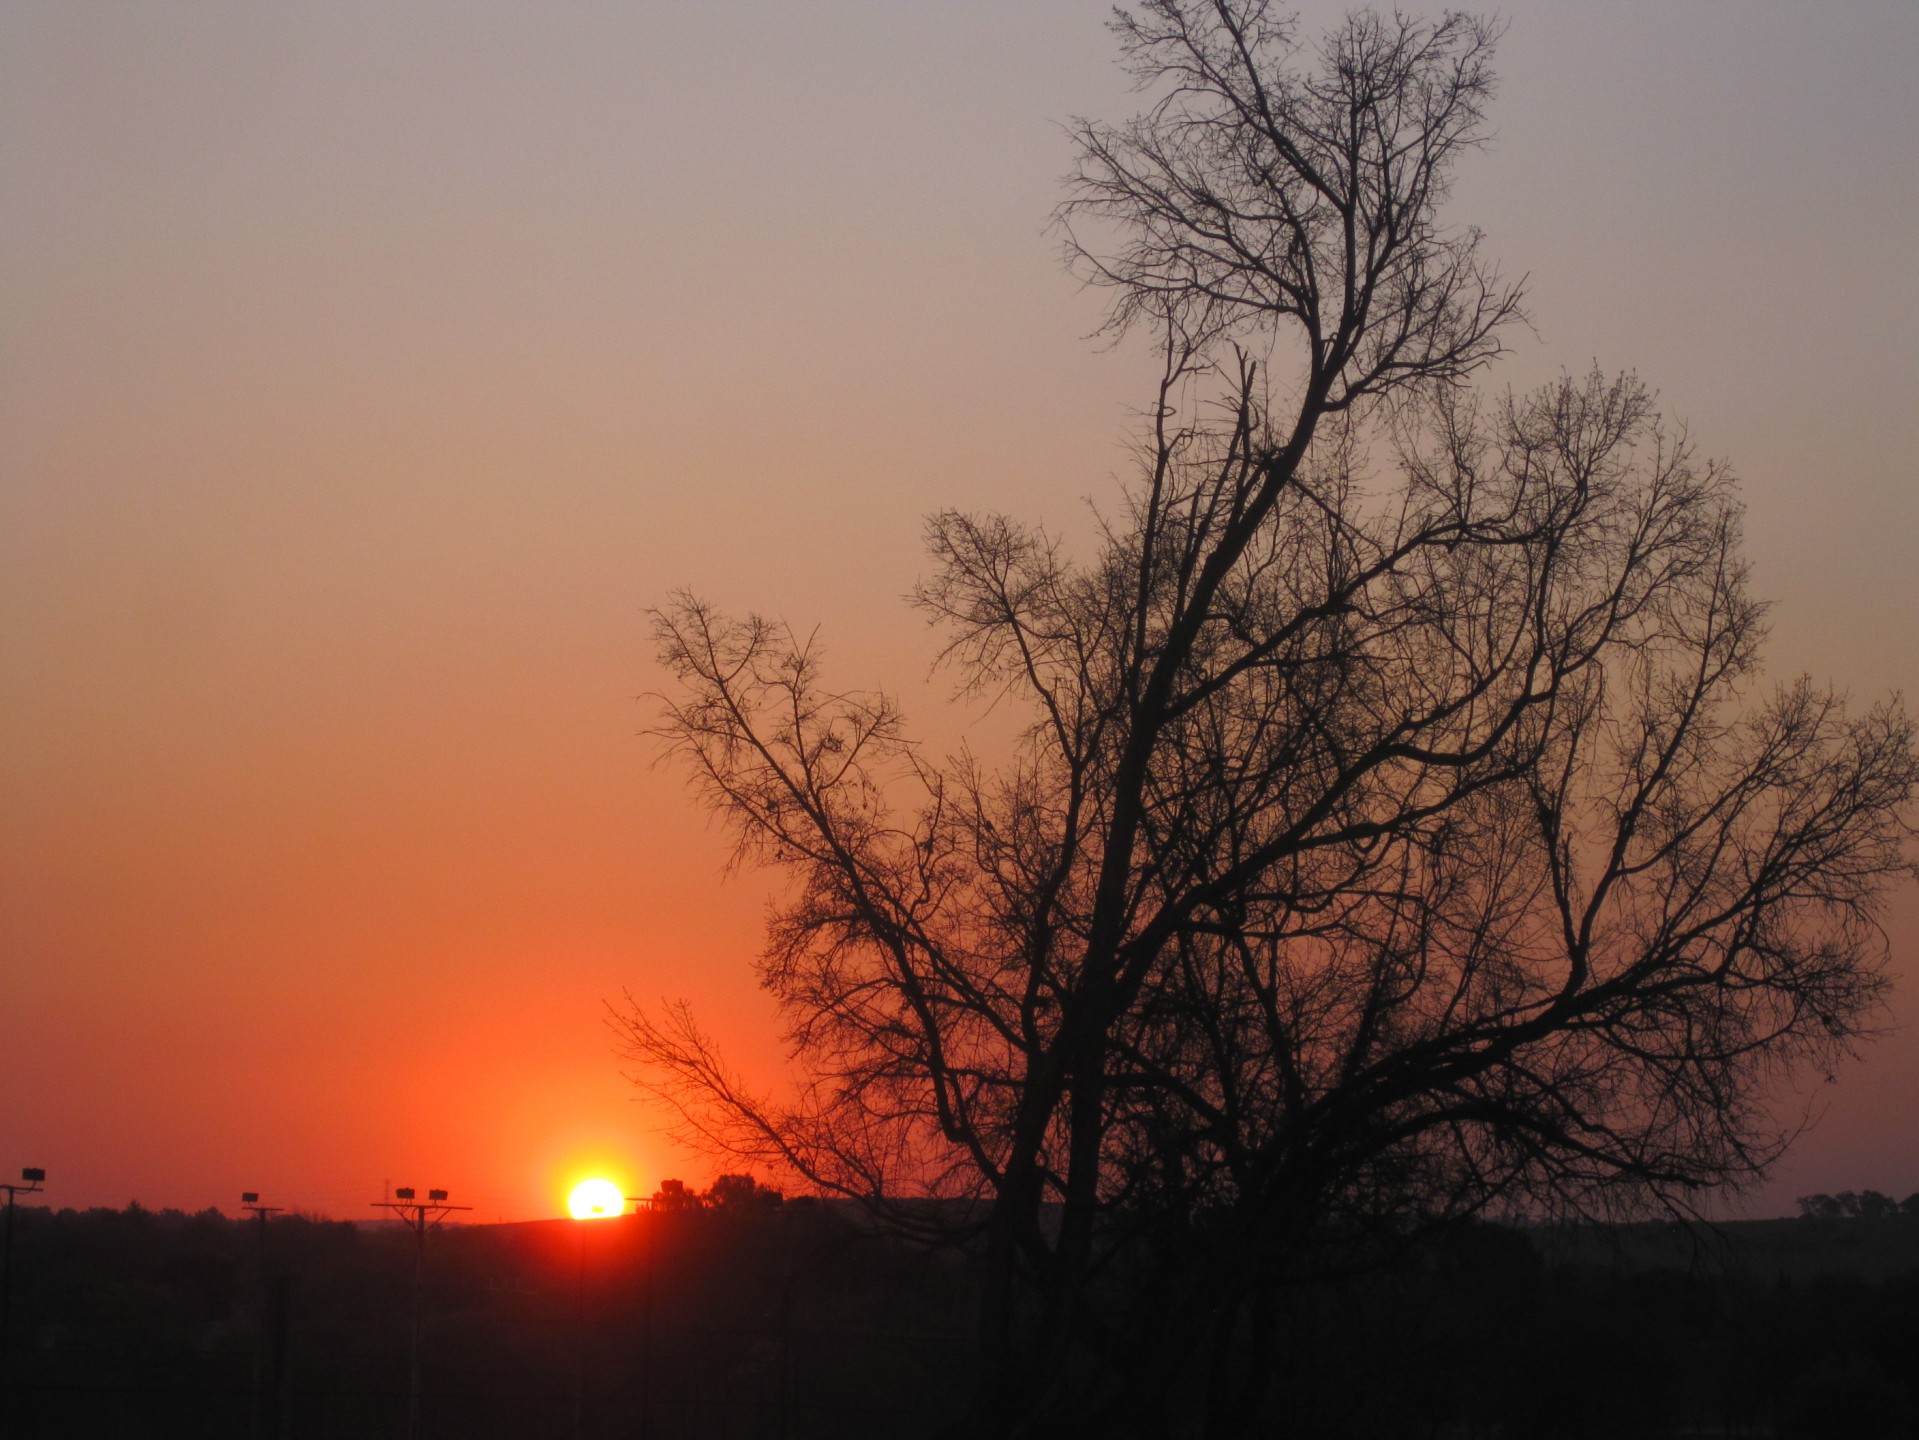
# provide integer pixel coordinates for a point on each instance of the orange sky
(366, 371)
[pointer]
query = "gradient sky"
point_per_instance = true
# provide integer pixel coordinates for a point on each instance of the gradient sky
(367, 369)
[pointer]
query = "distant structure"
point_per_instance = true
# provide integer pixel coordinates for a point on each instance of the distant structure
(418, 1215)
(31, 1179)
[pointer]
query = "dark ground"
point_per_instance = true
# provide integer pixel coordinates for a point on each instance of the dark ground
(792, 1321)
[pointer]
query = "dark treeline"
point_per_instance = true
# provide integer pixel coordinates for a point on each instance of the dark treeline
(691, 1321)
(758, 1320)
(1856, 1204)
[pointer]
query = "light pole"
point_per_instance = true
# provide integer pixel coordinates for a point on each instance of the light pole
(31, 1180)
(250, 1200)
(417, 1217)
(644, 1206)
(269, 1333)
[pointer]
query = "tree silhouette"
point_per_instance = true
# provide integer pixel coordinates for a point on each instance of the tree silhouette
(1402, 828)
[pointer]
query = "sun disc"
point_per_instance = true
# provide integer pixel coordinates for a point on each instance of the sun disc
(596, 1200)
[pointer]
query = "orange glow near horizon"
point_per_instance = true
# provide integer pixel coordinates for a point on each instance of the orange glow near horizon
(596, 1200)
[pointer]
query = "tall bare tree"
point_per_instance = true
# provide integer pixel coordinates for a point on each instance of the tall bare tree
(1403, 826)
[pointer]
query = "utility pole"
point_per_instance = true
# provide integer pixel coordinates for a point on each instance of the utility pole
(31, 1180)
(269, 1333)
(418, 1216)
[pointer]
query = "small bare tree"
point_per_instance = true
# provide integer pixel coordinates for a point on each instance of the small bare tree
(1402, 828)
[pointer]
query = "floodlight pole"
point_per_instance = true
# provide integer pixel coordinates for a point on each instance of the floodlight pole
(269, 1333)
(641, 1206)
(31, 1180)
(417, 1217)
(248, 1202)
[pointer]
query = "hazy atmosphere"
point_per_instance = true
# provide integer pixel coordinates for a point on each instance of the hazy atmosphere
(368, 372)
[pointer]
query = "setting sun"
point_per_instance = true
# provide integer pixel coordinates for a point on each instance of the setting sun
(596, 1200)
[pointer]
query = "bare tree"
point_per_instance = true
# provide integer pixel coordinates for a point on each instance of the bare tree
(1403, 827)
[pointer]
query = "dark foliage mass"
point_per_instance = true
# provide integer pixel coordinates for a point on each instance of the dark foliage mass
(753, 1321)
(1404, 828)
